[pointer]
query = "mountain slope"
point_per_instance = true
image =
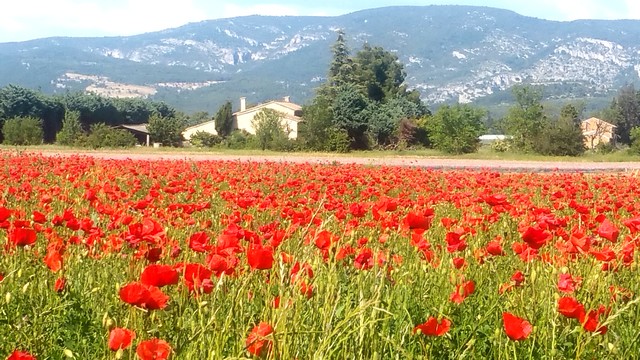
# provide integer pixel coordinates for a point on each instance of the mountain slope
(451, 53)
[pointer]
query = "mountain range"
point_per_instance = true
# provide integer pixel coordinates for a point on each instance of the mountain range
(450, 53)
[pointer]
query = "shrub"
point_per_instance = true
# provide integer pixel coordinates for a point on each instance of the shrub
(339, 141)
(102, 135)
(456, 129)
(71, 132)
(634, 148)
(501, 146)
(270, 132)
(205, 139)
(240, 139)
(23, 131)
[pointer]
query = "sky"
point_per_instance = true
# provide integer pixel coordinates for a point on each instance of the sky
(22, 20)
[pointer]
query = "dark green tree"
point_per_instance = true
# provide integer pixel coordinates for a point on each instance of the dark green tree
(166, 130)
(17, 101)
(104, 136)
(456, 129)
(341, 67)
(22, 131)
(525, 120)
(562, 137)
(349, 110)
(626, 107)
(314, 131)
(224, 120)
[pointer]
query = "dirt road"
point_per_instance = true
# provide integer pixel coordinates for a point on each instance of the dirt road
(431, 163)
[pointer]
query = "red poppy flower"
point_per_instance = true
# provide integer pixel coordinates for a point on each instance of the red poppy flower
(198, 278)
(260, 257)
(21, 355)
(21, 236)
(153, 349)
(199, 242)
(432, 328)
(608, 231)
(60, 284)
(120, 338)
(516, 327)
(462, 291)
(256, 342)
(159, 275)
(568, 284)
(536, 237)
(364, 259)
(53, 259)
(570, 307)
(414, 220)
(144, 296)
(517, 278)
(495, 248)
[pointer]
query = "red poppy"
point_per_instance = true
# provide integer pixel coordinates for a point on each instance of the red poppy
(153, 349)
(120, 338)
(60, 284)
(570, 307)
(198, 278)
(53, 259)
(199, 242)
(590, 320)
(364, 259)
(608, 231)
(516, 327)
(256, 342)
(21, 355)
(260, 257)
(568, 284)
(159, 275)
(432, 328)
(144, 296)
(21, 236)
(462, 291)
(495, 248)
(536, 237)
(458, 262)
(414, 220)
(517, 278)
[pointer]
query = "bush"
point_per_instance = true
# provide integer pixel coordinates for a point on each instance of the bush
(634, 135)
(71, 132)
(456, 129)
(23, 131)
(339, 141)
(240, 139)
(103, 136)
(563, 138)
(270, 132)
(501, 146)
(205, 139)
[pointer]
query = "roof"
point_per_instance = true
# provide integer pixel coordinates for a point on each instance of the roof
(198, 125)
(135, 127)
(599, 120)
(289, 105)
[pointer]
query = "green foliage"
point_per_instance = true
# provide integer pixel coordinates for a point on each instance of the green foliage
(224, 120)
(104, 136)
(341, 69)
(240, 139)
(166, 130)
(16, 101)
(563, 138)
(456, 129)
(314, 130)
(205, 139)
(379, 73)
(338, 141)
(625, 110)
(525, 120)
(271, 134)
(22, 131)
(501, 146)
(71, 132)
(349, 114)
(634, 135)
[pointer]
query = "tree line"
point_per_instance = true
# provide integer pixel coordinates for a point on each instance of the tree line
(363, 104)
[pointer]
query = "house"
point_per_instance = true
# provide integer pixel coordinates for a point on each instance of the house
(208, 126)
(140, 132)
(291, 115)
(597, 131)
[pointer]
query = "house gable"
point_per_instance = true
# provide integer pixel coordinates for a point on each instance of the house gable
(243, 120)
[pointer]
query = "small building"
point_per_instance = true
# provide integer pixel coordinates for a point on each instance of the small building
(489, 138)
(207, 126)
(140, 132)
(291, 115)
(597, 131)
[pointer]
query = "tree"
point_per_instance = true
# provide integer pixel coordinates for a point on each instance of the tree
(349, 114)
(563, 137)
(71, 132)
(525, 120)
(104, 136)
(270, 132)
(456, 129)
(314, 130)
(166, 130)
(626, 107)
(17, 101)
(22, 131)
(341, 67)
(224, 120)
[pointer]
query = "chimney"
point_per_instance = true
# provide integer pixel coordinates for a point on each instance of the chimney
(287, 99)
(243, 103)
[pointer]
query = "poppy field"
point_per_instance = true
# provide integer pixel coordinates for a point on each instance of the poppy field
(124, 259)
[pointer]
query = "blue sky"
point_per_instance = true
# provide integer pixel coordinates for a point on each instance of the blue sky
(28, 19)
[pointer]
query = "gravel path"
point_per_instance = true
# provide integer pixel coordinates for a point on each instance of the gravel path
(431, 163)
